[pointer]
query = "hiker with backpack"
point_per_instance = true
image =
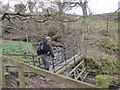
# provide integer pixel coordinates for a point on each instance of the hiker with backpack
(44, 51)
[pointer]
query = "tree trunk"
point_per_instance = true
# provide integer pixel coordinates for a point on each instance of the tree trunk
(84, 9)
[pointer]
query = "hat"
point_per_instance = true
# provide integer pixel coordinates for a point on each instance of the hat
(47, 37)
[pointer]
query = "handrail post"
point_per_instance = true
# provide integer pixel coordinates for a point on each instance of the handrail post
(74, 56)
(53, 65)
(65, 59)
(33, 60)
(21, 77)
(21, 73)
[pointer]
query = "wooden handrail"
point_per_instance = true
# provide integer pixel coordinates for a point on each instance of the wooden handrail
(19, 55)
(68, 82)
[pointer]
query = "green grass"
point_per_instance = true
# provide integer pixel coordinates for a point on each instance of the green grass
(102, 78)
(102, 64)
(12, 47)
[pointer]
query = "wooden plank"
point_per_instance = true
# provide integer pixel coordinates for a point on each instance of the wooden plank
(61, 68)
(79, 75)
(36, 61)
(19, 55)
(68, 82)
(79, 69)
(76, 67)
(86, 73)
(21, 77)
(21, 73)
(10, 66)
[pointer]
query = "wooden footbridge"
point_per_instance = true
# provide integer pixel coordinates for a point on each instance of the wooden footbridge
(70, 80)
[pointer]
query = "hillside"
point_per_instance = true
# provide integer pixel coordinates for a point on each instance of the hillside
(90, 33)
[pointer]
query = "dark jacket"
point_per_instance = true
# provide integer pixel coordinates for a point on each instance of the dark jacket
(48, 49)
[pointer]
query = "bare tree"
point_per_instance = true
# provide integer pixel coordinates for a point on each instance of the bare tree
(21, 8)
(64, 6)
(31, 5)
(33, 20)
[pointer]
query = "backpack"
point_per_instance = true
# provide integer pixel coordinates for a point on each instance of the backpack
(42, 47)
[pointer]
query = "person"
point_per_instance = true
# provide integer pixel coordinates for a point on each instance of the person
(45, 55)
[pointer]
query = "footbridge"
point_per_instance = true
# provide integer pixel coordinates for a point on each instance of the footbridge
(73, 78)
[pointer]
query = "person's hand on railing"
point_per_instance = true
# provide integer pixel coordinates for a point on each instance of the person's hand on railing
(54, 58)
(38, 56)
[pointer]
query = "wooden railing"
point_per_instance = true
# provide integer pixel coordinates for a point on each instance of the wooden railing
(68, 82)
(25, 56)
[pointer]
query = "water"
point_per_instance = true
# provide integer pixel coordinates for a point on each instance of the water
(59, 54)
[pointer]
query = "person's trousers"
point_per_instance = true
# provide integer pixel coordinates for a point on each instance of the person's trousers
(46, 61)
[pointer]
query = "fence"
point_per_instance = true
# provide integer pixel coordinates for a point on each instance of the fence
(68, 82)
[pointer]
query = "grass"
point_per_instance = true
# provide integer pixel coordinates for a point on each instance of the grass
(102, 64)
(12, 47)
(109, 45)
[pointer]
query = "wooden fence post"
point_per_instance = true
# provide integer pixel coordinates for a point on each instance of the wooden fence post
(33, 60)
(21, 73)
(21, 77)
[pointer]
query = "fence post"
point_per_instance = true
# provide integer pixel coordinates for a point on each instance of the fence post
(33, 60)
(21, 73)
(21, 77)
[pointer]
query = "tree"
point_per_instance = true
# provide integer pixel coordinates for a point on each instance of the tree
(83, 6)
(21, 8)
(64, 6)
(31, 5)
(4, 8)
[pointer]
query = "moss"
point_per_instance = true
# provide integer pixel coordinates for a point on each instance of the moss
(106, 33)
(109, 45)
(114, 80)
(98, 26)
(104, 79)
(103, 64)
